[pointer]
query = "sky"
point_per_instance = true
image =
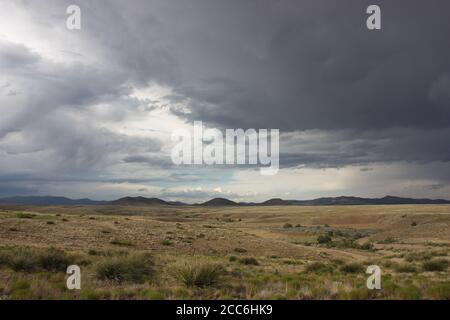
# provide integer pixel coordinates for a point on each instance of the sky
(90, 112)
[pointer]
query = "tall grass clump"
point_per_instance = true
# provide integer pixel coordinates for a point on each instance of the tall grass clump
(199, 275)
(319, 267)
(132, 269)
(352, 268)
(53, 260)
(31, 260)
(435, 265)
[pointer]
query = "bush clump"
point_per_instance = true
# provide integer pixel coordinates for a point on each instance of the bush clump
(323, 239)
(165, 242)
(199, 275)
(318, 267)
(31, 260)
(54, 260)
(287, 226)
(435, 265)
(352, 268)
(132, 269)
(249, 261)
(25, 215)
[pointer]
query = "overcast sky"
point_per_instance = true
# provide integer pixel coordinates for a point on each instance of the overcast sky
(90, 112)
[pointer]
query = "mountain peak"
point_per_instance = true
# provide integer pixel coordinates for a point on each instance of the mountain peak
(219, 202)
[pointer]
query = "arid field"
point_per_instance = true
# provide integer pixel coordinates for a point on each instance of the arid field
(255, 252)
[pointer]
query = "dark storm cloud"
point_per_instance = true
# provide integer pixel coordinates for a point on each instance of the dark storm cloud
(344, 148)
(299, 65)
(303, 65)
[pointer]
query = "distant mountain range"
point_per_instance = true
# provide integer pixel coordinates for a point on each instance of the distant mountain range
(142, 201)
(49, 200)
(220, 202)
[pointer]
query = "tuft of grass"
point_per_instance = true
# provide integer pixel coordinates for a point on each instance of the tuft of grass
(122, 243)
(132, 269)
(23, 260)
(31, 260)
(352, 268)
(165, 242)
(318, 267)
(435, 265)
(54, 260)
(323, 239)
(367, 246)
(200, 275)
(249, 261)
(25, 215)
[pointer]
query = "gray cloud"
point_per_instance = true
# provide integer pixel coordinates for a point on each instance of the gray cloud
(340, 94)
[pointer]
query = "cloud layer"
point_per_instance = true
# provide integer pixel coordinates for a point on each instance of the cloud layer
(90, 112)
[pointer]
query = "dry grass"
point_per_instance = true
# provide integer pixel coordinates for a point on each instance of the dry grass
(263, 252)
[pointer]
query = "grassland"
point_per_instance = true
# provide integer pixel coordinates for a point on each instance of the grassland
(288, 252)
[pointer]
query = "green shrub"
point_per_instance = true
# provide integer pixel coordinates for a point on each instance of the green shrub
(249, 261)
(53, 260)
(31, 260)
(352, 268)
(24, 262)
(200, 275)
(366, 246)
(323, 239)
(165, 242)
(318, 267)
(417, 256)
(435, 265)
(25, 215)
(133, 269)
